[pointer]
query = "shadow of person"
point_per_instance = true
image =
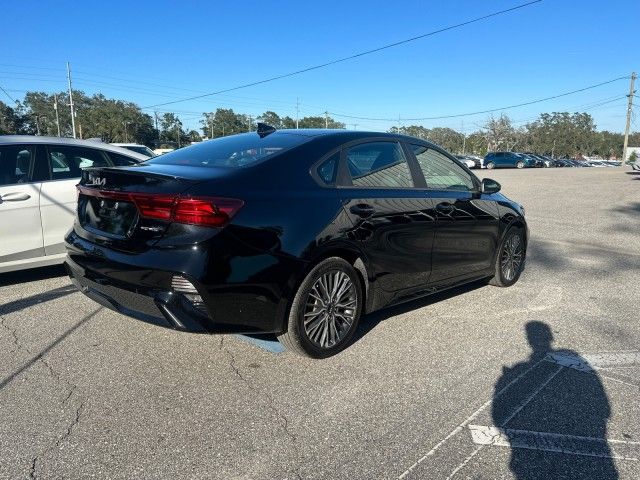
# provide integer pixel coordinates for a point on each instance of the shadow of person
(552, 411)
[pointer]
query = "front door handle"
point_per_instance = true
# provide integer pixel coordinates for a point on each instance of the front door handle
(363, 210)
(15, 197)
(445, 207)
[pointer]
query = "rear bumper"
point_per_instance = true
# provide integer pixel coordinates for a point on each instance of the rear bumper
(158, 307)
(241, 292)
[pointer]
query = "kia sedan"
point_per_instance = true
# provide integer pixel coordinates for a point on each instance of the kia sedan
(38, 177)
(292, 232)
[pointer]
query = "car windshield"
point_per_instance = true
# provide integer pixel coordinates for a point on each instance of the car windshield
(234, 151)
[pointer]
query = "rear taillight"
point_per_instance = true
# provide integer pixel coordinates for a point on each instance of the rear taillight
(206, 211)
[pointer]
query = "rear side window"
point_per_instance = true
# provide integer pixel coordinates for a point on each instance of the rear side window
(68, 162)
(440, 172)
(235, 151)
(379, 165)
(16, 163)
(328, 169)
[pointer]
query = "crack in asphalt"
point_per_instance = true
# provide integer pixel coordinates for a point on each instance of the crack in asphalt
(70, 387)
(12, 331)
(293, 438)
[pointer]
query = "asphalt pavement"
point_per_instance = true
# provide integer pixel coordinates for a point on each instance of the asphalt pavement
(540, 380)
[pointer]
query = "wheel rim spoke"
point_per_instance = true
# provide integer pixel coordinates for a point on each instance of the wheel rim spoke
(330, 309)
(511, 257)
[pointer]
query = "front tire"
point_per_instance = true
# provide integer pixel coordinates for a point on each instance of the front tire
(520, 164)
(325, 310)
(510, 258)
(491, 165)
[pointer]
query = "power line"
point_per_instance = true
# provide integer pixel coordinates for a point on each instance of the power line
(491, 110)
(350, 57)
(5, 92)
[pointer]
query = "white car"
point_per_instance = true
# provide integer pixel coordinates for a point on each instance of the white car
(136, 147)
(38, 178)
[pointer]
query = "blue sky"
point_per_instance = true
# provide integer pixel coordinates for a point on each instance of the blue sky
(155, 51)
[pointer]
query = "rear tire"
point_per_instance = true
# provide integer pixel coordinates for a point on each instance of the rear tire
(510, 258)
(325, 310)
(491, 165)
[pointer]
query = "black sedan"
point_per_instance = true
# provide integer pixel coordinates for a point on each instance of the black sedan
(293, 232)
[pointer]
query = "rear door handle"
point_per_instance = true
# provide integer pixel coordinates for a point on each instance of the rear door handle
(445, 207)
(15, 197)
(363, 210)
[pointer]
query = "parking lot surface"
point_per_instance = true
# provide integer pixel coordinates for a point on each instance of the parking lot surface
(540, 380)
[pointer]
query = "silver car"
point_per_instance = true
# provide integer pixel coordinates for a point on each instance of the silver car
(38, 177)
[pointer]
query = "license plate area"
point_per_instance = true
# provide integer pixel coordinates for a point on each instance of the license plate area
(114, 217)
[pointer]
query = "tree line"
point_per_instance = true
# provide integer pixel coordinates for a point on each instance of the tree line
(560, 134)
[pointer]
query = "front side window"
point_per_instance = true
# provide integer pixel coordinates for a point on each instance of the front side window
(440, 172)
(15, 164)
(379, 165)
(68, 162)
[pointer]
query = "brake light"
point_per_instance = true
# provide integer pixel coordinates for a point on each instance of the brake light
(206, 211)
(159, 207)
(213, 212)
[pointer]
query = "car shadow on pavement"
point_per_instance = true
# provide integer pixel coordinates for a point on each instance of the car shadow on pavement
(369, 321)
(552, 411)
(31, 300)
(31, 275)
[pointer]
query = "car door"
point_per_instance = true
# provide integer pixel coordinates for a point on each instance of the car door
(466, 220)
(58, 196)
(391, 219)
(20, 225)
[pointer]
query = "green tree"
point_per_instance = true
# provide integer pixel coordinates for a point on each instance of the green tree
(222, 122)
(11, 120)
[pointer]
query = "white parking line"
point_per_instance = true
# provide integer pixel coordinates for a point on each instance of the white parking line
(589, 363)
(584, 363)
(554, 442)
(467, 421)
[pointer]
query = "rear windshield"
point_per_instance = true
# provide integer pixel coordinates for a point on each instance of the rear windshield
(234, 151)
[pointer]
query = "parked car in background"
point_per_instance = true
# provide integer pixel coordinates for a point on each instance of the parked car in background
(38, 177)
(294, 232)
(508, 160)
(469, 162)
(535, 160)
(135, 147)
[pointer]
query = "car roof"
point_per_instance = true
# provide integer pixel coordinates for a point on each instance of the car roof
(348, 135)
(41, 140)
(127, 144)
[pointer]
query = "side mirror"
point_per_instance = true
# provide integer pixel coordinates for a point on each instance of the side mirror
(489, 186)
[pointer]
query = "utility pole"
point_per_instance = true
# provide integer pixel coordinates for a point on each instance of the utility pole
(250, 123)
(155, 114)
(37, 124)
(55, 107)
(73, 119)
(297, 111)
(464, 136)
(211, 127)
(398, 123)
(626, 130)
(326, 119)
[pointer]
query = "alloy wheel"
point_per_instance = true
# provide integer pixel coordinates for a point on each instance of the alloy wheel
(511, 258)
(330, 309)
